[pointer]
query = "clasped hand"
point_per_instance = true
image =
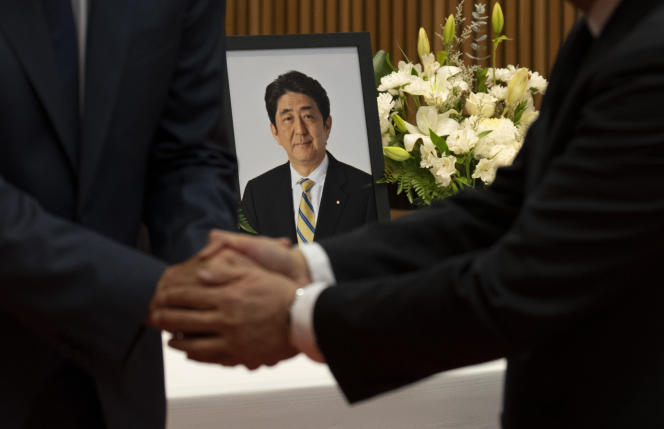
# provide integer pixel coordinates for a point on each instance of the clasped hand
(230, 303)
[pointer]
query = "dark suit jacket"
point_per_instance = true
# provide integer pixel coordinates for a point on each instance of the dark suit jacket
(551, 267)
(347, 202)
(73, 293)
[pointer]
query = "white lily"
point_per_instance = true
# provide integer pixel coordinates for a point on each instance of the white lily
(452, 75)
(436, 92)
(429, 65)
(428, 119)
(439, 89)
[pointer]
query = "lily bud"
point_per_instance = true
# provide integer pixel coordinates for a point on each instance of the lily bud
(497, 19)
(517, 87)
(396, 153)
(423, 47)
(449, 30)
(399, 123)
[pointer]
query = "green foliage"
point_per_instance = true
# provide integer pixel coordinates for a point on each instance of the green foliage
(481, 76)
(440, 143)
(417, 183)
(518, 111)
(441, 57)
(382, 66)
(243, 222)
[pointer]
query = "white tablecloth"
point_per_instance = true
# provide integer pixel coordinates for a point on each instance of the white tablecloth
(299, 393)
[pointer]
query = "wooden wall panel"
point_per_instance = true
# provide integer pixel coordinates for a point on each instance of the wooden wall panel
(319, 16)
(371, 19)
(536, 27)
(305, 19)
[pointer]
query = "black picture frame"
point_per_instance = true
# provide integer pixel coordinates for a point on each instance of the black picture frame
(275, 48)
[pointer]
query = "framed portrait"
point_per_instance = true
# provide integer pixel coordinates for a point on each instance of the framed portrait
(342, 64)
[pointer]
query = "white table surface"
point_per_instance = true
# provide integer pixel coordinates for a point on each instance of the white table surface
(299, 393)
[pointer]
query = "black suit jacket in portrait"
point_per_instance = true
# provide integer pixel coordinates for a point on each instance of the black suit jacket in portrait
(551, 267)
(73, 291)
(347, 202)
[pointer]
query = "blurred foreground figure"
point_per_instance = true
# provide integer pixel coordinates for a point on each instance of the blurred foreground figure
(109, 116)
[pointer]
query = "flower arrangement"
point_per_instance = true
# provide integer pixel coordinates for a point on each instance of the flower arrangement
(469, 120)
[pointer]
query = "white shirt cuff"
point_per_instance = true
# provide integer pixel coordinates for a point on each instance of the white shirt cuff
(302, 333)
(319, 264)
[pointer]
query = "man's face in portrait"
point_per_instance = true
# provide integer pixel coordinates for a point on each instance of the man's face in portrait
(299, 128)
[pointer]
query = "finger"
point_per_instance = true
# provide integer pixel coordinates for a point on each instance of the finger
(178, 320)
(266, 252)
(194, 297)
(212, 349)
(284, 241)
(224, 268)
(217, 240)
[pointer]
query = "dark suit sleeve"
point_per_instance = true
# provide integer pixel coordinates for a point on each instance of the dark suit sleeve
(65, 282)
(591, 225)
(371, 214)
(191, 189)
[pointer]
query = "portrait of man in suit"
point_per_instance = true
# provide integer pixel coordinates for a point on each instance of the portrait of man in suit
(313, 195)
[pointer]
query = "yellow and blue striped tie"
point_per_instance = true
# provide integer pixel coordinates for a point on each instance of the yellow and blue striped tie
(306, 220)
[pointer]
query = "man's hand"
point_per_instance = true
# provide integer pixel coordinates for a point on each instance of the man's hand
(183, 275)
(244, 322)
(272, 254)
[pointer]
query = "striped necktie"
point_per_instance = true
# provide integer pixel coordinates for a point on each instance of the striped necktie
(306, 220)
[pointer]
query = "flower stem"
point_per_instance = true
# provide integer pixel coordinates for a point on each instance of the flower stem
(493, 61)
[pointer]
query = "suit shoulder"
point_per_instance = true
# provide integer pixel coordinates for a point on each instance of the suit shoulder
(270, 176)
(353, 173)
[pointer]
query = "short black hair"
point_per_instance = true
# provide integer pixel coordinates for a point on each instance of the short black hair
(295, 81)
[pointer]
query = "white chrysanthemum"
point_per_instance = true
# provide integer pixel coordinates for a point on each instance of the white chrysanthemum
(481, 104)
(394, 80)
(385, 104)
(385, 125)
(537, 82)
(462, 140)
(503, 133)
(403, 76)
(502, 74)
(498, 91)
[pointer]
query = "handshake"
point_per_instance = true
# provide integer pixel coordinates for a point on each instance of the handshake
(230, 303)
